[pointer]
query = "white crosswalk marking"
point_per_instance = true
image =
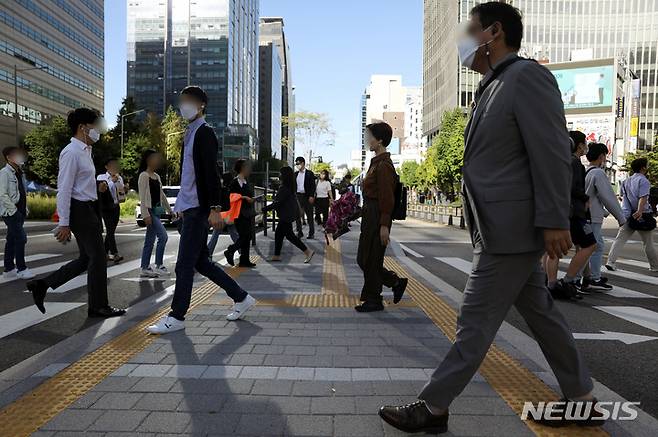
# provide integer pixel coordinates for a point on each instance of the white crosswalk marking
(634, 262)
(413, 252)
(466, 267)
(639, 316)
(37, 271)
(40, 256)
(29, 316)
(81, 280)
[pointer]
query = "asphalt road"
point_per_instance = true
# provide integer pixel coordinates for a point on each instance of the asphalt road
(628, 369)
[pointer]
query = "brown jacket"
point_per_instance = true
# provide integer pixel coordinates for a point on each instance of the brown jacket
(379, 184)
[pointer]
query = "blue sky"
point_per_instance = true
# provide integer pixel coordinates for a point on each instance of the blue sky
(335, 47)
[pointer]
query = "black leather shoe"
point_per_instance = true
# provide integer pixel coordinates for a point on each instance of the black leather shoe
(398, 289)
(414, 418)
(106, 312)
(247, 264)
(229, 257)
(584, 409)
(369, 307)
(38, 288)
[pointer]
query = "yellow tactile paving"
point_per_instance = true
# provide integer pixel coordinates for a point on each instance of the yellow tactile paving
(334, 281)
(511, 380)
(37, 407)
(318, 301)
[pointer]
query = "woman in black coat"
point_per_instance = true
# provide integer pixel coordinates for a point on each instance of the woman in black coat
(244, 223)
(287, 208)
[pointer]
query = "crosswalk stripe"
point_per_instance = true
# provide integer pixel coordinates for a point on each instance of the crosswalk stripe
(413, 252)
(634, 263)
(37, 271)
(40, 256)
(29, 316)
(81, 280)
(626, 274)
(466, 267)
(638, 315)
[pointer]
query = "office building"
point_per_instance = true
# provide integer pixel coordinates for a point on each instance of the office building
(386, 99)
(413, 147)
(209, 43)
(56, 48)
(269, 102)
(272, 31)
(556, 31)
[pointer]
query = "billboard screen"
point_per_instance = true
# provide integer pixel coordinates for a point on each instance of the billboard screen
(586, 89)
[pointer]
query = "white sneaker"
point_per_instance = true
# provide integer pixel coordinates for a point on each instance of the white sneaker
(240, 308)
(11, 274)
(148, 273)
(165, 325)
(161, 271)
(25, 274)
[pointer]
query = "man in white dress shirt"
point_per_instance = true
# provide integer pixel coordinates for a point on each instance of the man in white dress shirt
(77, 206)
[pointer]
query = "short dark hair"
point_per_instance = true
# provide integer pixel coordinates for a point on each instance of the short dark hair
(300, 159)
(108, 160)
(577, 137)
(638, 164)
(381, 131)
(507, 15)
(197, 93)
(9, 150)
(595, 151)
(81, 116)
(237, 167)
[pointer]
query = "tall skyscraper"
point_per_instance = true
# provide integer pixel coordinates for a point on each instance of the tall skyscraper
(209, 43)
(269, 101)
(272, 31)
(56, 49)
(386, 99)
(555, 31)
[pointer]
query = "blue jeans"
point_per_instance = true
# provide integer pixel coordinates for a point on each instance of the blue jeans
(596, 260)
(16, 241)
(155, 229)
(193, 255)
(215, 237)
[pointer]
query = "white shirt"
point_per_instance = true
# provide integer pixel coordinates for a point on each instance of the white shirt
(323, 189)
(241, 181)
(76, 178)
(300, 181)
(114, 187)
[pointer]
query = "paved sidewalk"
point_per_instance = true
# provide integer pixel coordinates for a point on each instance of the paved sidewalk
(302, 363)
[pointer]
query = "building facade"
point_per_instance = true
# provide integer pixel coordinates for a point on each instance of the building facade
(269, 101)
(413, 146)
(386, 99)
(555, 31)
(55, 48)
(272, 31)
(209, 43)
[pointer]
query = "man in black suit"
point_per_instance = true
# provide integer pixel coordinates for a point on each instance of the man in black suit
(305, 182)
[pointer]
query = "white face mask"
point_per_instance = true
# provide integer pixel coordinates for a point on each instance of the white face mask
(467, 47)
(93, 135)
(188, 111)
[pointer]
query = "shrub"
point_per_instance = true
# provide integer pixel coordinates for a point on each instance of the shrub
(128, 207)
(41, 206)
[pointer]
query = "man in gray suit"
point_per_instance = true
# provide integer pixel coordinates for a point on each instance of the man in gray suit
(516, 189)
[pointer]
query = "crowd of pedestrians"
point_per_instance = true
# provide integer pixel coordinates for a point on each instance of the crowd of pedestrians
(528, 199)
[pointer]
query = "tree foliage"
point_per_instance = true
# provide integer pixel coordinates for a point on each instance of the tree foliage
(317, 167)
(409, 173)
(173, 131)
(132, 155)
(652, 157)
(44, 143)
(313, 128)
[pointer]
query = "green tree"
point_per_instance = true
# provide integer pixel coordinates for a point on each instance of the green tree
(354, 172)
(173, 130)
(409, 173)
(132, 155)
(44, 143)
(317, 167)
(652, 157)
(313, 128)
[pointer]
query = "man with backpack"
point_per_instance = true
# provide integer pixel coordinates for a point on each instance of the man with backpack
(602, 200)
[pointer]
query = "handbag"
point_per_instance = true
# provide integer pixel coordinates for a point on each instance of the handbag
(646, 223)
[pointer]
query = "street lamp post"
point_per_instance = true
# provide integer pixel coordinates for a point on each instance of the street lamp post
(122, 117)
(16, 115)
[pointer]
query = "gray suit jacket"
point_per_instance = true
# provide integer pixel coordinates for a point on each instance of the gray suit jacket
(517, 174)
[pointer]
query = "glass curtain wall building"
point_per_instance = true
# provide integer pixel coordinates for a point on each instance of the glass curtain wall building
(57, 49)
(209, 43)
(269, 102)
(555, 31)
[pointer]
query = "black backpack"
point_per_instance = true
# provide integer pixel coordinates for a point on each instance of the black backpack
(400, 205)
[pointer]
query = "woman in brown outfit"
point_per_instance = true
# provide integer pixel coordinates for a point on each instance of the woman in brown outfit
(378, 202)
